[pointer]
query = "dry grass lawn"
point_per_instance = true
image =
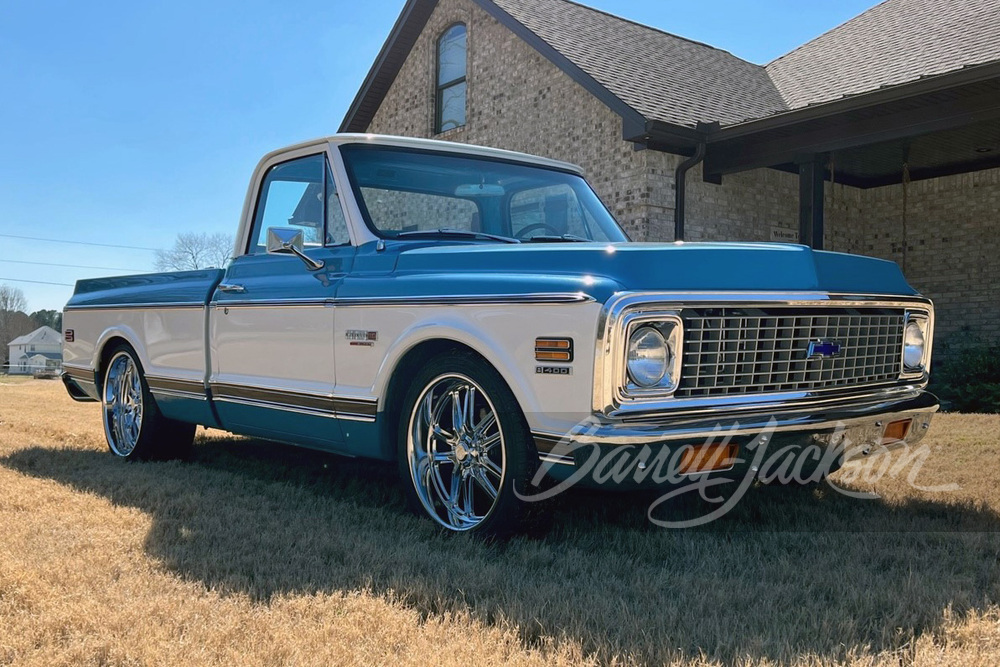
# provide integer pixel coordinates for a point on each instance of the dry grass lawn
(256, 553)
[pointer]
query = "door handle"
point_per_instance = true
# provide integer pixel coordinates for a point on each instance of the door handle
(231, 288)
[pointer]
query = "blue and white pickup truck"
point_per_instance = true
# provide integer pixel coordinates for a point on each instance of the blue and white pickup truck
(475, 314)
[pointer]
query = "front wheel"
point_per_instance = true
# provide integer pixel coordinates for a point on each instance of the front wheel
(465, 447)
(133, 425)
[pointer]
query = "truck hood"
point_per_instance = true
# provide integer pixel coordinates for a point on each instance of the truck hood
(600, 269)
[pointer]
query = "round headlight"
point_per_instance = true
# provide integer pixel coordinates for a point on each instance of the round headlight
(913, 345)
(648, 357)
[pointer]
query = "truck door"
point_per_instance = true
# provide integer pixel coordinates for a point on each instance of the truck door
(271, 318)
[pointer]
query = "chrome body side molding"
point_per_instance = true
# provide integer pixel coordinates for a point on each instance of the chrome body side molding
(322, 405)
(176, 387)
(403, 301)
(168, 305)
(443, 300)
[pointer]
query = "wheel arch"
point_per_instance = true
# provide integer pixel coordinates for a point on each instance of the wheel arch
(108, 341)
(405, 366)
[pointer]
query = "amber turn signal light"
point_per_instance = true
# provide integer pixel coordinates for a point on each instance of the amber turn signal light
(896, 431)
(703, 458)
(553, 349)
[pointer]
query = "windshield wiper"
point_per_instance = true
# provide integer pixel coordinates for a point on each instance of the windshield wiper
(548, 238)
(447, 231)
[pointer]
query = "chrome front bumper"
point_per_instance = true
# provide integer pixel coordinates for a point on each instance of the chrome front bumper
(857, 427)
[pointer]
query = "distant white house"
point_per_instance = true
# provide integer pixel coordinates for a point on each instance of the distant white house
(39, 350)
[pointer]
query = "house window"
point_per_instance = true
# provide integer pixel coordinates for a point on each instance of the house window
(450, 83)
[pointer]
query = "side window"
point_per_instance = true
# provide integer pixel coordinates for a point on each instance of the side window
(336, 225)
(291, 196)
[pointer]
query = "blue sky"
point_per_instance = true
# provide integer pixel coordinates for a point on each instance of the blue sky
(125, 123)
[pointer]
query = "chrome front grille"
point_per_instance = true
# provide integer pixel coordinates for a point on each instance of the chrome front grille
(731, 351)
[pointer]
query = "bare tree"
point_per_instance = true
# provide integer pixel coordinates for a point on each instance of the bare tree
(14, 321)
(195, 250)
(12, 299)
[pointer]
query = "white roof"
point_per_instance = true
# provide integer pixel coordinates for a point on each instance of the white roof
(428, 144)
(43, 334)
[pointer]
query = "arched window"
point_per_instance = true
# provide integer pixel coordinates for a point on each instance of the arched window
(450, 82)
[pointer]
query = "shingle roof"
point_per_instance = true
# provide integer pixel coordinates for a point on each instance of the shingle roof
(656, 76)
(894, 42)
(38, 335)
(662, 76)
(47, 355)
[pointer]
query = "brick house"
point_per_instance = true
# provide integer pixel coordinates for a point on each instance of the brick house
(881, 136)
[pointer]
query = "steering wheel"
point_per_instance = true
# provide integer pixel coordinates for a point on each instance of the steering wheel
(523, 234)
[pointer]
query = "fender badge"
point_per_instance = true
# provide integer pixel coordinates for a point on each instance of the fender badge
(361, 335)
(553, 370)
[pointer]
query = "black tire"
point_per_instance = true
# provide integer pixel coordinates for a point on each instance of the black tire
(133, 425)
(428, 464)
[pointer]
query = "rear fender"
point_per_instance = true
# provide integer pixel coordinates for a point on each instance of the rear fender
(108, 336)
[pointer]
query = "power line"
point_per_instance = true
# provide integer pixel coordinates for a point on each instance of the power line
(37, 282)
(102, 245)
(69, 266)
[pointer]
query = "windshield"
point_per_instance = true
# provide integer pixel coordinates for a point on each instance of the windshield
(404, 192)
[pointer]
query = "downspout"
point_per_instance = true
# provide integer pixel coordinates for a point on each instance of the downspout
(679, 188)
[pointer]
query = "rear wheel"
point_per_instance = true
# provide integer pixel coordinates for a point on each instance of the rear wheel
(464, 447)
(133, 425)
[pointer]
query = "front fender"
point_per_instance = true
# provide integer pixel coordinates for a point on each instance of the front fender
(504, 360)
(502, 333)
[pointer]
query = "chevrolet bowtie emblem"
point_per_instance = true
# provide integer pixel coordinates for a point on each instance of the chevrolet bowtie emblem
(819, 349)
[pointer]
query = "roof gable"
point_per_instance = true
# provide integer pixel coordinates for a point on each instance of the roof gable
(44, 334)
(662, 76)
(387, 64)
(894, 42)
(668, 86)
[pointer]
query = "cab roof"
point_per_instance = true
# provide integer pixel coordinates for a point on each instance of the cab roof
(428, 144)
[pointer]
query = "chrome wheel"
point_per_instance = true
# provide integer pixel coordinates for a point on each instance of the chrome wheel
(456, 452)
(122, 401)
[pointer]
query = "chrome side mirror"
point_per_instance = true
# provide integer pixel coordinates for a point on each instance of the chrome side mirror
(288, 241)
